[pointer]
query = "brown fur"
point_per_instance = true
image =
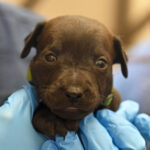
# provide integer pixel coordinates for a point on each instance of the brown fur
(67, 72)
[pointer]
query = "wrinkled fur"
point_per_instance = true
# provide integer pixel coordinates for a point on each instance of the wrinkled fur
(72, 86)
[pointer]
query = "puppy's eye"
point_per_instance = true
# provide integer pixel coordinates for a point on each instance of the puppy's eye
(101, 63)
(50, 57)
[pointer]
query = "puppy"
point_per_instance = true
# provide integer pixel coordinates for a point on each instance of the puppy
(72, 71)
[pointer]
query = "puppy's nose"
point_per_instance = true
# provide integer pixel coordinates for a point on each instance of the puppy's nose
(73, 94)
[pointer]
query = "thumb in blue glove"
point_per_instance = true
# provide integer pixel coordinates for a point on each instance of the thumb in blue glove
(94, 135)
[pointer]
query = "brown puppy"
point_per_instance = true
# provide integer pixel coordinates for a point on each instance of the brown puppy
(72, 71)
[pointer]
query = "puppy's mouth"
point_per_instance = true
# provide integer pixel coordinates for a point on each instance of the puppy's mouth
(71, 113)
(72, 109)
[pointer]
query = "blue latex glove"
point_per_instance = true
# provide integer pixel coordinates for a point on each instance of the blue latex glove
(142, 122)
(109, 131)
(16, 130)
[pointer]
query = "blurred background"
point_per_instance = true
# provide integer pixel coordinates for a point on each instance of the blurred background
(129, 19)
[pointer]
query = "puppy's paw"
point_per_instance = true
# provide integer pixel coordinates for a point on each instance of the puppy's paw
(60, 127)
(49, 124)
(72, 125)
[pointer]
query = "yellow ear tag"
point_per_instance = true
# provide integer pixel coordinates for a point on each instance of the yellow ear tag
(29, 75)
(109, 99)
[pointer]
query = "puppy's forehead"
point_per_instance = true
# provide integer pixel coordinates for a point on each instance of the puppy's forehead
(76, 33)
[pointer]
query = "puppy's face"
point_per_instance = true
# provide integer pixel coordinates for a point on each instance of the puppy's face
(72, 69)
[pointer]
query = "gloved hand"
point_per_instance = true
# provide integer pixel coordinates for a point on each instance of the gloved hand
(16, 130)
(109, 131)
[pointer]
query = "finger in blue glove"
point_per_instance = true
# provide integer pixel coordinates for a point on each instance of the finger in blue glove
(142, 122)
(128, 109)
(70, 142)
(94, 136)
(49, 145)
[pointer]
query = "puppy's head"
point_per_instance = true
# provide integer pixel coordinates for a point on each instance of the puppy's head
(72, 69)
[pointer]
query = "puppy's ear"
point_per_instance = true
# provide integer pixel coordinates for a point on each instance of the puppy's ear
(120, 56)
(31, 39)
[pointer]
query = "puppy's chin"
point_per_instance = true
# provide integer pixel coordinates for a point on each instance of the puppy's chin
(71, 113)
